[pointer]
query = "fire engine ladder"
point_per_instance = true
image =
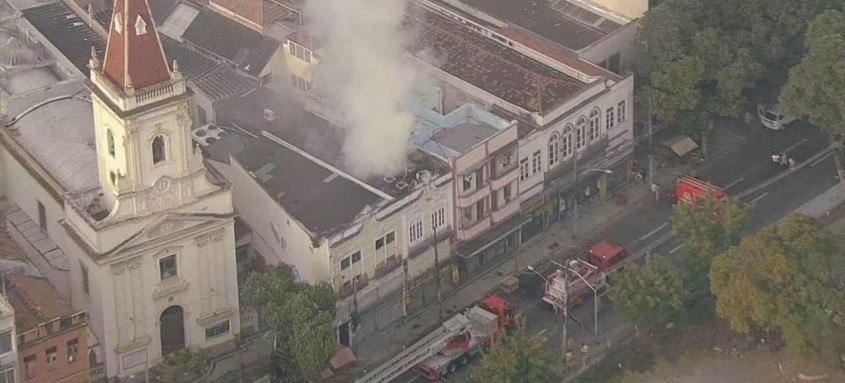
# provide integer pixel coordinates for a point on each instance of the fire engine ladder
(429, 345)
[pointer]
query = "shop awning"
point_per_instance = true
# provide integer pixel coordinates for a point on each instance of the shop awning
(681, 145)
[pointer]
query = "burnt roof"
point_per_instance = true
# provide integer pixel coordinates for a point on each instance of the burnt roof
(316, 136)
(490, 66)
(565, 22)
(74, 39)
(319, 198)
(249, 49)
(67, 32)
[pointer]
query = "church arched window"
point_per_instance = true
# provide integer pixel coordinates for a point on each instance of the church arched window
(110, 141)
(159, 149)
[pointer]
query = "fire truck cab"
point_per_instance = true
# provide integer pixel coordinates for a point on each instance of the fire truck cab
(689, 189)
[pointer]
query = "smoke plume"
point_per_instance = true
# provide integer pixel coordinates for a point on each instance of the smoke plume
(364, 74)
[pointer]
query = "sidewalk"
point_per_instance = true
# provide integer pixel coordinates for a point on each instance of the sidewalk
(377, 348)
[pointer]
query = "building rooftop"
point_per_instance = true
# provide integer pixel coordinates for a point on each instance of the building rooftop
(260, 13)
(74, 39)
(35, 301)
(315, 195)
(317, 136)
(489, 65)
(9, 249)
(565, 22)
(246, 47)
(451, 135)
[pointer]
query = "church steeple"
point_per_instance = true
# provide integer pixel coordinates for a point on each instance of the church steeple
(134, 57)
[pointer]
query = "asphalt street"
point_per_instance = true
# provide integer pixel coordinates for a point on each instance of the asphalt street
(740, 162)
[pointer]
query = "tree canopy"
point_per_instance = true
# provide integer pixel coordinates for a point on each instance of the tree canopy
(706, 230)
(648, 294)
(301, 315)
(517, 358)
(780, 278)
(698, 59)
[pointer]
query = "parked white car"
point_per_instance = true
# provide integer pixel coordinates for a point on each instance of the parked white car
(771, 117)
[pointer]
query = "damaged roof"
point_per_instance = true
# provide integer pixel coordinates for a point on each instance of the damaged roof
(247, 48)
(36, 301)
(490, 66)
(321, 199)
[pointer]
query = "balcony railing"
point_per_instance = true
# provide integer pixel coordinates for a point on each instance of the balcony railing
(97, 373)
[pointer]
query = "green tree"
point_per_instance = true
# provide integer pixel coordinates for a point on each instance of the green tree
(780, 278)
(816, 86)
(648, 294)
(707, 230)
(301, 316)
(517, 358)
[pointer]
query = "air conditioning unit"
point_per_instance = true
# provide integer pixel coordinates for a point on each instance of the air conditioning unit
(269, 115)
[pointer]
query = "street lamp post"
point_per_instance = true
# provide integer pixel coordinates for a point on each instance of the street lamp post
(563, 334)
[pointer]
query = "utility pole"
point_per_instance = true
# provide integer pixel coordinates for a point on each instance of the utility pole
(650, 146)
(577, 193)
(437, 273)
(405, 297)
(563, 334)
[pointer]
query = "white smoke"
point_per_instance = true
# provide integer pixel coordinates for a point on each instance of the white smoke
(364, 72)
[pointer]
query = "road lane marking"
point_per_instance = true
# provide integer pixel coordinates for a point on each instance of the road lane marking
(679, 247)
(752, 190)
(820, 160)
(653, 232)
(759, 197)
(738, 180)
(793, 146)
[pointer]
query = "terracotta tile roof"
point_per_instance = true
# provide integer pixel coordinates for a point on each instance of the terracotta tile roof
(486, 64)
(35, 301)
(134, 57)
(8, 248)
(259, 12)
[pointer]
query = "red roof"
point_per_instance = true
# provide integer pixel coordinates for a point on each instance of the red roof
(606, 249)
(259, 12)
(134, 56)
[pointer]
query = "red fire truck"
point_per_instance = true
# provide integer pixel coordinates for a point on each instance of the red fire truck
(450, 345)
(689, 189)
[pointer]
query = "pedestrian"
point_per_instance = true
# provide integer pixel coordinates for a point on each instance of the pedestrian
(655, 189)
(791, 163)
(784, 160)
(775, 158)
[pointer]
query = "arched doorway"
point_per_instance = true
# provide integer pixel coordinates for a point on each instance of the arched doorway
(172, 331)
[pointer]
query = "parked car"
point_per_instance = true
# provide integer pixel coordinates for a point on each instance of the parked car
(771, 117)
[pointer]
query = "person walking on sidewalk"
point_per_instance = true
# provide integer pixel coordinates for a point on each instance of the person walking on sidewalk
(655, 189)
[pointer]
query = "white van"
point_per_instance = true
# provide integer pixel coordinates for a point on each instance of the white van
(771, 118)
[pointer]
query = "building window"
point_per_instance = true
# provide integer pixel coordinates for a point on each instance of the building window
(609, 121)
(494, 200)
(84, 271)
(5, 342)
(356, 257)
(506, 192)
(7, 375)
(72, 350)
(479, 210)
(140, 26)
(580, 133)
(594, 123)
(219, 329)
(567, 141)
(536, 162)
(299, 51)
(344, 263)
(50, 356)
(167, 266)
(110, 142)
(389, 238)
(466, 216)
(554, 150)
(159, 150)
(438, 218)
(300, 83)
(523, 169)
(379, 243)
(416, 231)
(468, 181)
(29, 366)
(42, 216)
(620, 111)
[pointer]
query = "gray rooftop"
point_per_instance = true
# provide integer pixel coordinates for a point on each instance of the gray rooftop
(453, 134)
(563, 22)
(316, 136)
(319, 198)
(464, 136)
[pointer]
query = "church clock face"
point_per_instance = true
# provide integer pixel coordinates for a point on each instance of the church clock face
(162, 184)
